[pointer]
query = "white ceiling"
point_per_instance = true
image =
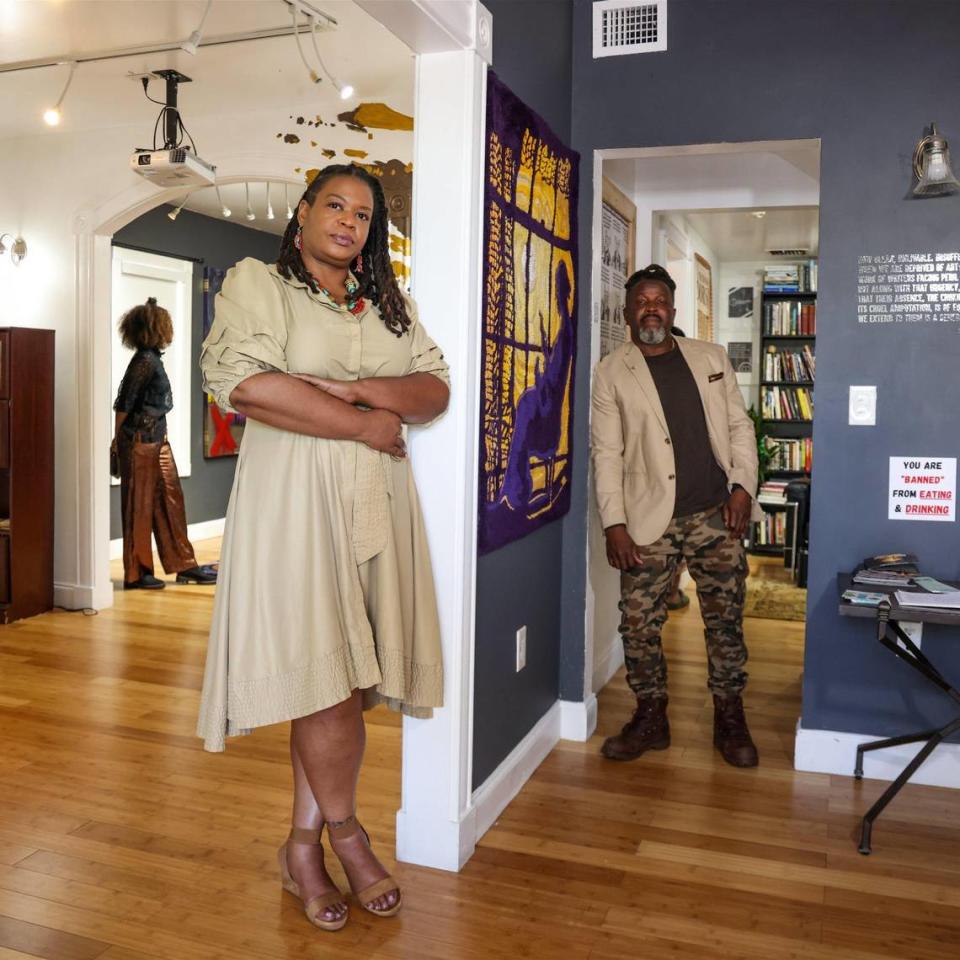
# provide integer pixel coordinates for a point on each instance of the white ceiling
(247, 77)
(738, 235)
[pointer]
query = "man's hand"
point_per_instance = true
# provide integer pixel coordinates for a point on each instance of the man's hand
(736, 513)
(345, 390)
(622, 552)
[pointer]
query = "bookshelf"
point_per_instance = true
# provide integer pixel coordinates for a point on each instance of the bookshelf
(787, 373)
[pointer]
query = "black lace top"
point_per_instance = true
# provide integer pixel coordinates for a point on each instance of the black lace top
(145, 396)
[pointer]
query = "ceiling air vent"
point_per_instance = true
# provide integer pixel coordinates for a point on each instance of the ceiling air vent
(795, 252)
(621, 27)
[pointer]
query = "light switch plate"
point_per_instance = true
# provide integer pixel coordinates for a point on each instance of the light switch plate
(863, 407)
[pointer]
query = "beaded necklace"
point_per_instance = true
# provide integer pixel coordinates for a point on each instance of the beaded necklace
(354, 304)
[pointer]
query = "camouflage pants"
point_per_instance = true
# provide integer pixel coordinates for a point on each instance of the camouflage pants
(718, 566)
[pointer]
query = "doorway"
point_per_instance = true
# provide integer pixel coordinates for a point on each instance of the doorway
(736, 225)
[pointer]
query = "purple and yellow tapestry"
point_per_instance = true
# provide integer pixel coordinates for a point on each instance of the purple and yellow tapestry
(529, 322)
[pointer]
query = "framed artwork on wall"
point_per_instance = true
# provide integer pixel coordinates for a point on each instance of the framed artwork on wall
(704, 284)
(618, 231)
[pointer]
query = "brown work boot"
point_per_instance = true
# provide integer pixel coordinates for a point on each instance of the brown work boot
(730, 733)
(647, 729)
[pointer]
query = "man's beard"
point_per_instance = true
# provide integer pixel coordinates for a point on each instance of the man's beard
(652, 335)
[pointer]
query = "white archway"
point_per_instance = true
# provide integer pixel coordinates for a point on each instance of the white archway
(94, 229)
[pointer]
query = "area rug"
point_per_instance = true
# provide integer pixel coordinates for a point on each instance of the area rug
(775, 601)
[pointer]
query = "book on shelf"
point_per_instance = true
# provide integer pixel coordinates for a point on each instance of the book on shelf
(790, 277)
(771, 531)
(788, 318)
(786, 403)
(792, 454)
(789, 365)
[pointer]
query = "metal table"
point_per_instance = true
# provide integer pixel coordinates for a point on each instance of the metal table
(888, 617)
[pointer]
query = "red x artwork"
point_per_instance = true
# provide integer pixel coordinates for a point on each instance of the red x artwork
(223, 442)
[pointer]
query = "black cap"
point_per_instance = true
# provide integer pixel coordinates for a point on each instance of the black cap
(652, 272)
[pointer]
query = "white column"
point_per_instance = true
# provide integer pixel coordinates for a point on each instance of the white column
(436, 824)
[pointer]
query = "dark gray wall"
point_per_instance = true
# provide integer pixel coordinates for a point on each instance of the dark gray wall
(865, 77)
(215, 243)
(519, 584)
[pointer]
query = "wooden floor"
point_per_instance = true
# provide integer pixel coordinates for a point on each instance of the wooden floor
(120, 839)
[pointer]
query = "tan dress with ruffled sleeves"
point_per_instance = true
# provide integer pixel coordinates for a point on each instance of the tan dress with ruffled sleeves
(325, 582)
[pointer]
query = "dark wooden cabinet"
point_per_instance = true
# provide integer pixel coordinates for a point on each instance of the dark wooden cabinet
(26, 472)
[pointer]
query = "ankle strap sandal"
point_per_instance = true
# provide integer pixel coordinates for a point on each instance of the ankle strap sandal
(350, 828)
(316, 906)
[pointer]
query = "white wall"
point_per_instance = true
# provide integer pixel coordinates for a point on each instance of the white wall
(49, 180)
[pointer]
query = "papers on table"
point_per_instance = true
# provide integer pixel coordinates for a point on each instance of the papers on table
(938, 601)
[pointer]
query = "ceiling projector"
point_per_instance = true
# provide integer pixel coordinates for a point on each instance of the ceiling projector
(173, 168)
(173, 164)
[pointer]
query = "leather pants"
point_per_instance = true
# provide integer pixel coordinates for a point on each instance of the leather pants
(151, 500)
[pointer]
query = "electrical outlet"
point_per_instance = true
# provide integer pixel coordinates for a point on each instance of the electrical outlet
(521, 648)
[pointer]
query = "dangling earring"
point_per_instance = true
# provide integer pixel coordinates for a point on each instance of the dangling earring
(298, 238)
(359, 263)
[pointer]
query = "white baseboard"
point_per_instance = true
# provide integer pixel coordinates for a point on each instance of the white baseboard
(77, 596)
(828, 751)
(492, 796)
(578, 720)
(609, 661)
(204, 530)
(444, 846)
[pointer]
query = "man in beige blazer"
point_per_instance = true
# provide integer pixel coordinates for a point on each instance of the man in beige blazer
(675, 472)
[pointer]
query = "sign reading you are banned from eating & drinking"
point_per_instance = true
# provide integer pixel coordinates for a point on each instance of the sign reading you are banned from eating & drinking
(922, 488)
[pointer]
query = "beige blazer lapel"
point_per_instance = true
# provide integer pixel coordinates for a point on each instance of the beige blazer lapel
(633, 359)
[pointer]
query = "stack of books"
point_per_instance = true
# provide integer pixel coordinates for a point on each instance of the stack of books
(787, 318)
(790, 277)
(786, 403)
(792, 366)
(772, 491)
(894, 570)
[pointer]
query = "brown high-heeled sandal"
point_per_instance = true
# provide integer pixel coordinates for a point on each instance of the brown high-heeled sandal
(315, 906)
(350, 828)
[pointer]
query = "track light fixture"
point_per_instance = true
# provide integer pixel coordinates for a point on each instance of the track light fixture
(250, 215)
(300, 8)
(270, 214)
(345, 90)
(224, 209)
(173, 214)
(286, 196)
(52, 115)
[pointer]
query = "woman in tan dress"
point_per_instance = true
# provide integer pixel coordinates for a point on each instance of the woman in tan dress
(326, 602)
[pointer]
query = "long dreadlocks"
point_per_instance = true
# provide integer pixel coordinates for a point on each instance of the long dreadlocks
(377, 280)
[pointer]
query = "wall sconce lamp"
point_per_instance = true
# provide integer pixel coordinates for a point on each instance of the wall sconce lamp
(931, 166)
(17, 247)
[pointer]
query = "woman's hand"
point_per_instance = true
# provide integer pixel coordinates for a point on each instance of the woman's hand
(382, 430)
(345, 390)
